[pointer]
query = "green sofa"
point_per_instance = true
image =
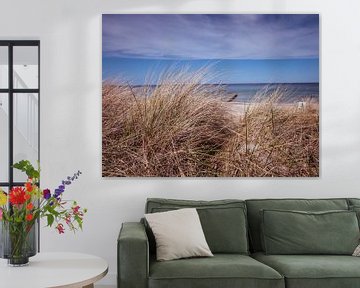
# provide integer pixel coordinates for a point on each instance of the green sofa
(233, 230)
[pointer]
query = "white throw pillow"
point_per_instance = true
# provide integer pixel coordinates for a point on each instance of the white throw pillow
(357, 251)
(178, 234)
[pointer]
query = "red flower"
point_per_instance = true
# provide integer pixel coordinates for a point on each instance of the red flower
(75, 209)
(17, 196)
(27, 196)
(29, 186)
(29, 217)
(68, 219)
(60, 228)
(29, 206)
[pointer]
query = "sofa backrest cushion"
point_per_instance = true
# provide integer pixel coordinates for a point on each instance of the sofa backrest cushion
(223, 221)
(298, 232)
(353, 202)
(256, 205)
(354, 205)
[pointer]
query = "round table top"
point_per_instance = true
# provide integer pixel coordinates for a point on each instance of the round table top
(68, 270)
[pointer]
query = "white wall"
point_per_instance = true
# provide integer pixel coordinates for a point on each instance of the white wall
(70, 34)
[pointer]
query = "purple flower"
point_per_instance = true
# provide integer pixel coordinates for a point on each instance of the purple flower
(64, 183)
(46, 194)
(57, 193)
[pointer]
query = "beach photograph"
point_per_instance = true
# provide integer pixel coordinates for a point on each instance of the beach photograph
(217, 95)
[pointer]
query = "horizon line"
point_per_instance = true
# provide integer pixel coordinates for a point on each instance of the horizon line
(175, 59)
(247, 83)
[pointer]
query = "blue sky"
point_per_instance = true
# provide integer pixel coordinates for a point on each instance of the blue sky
(243, 48)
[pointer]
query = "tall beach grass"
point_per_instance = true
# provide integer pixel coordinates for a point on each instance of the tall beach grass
(182, 127)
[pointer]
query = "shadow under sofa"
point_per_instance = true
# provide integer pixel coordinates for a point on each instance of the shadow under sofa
(232, 229)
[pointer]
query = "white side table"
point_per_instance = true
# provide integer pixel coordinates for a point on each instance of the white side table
(50, 270)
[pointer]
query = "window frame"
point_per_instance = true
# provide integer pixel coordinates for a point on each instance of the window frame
(10, 91)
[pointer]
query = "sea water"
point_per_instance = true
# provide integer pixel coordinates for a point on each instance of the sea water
(291, 92)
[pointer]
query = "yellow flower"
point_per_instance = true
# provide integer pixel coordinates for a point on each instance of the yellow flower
(3, 198)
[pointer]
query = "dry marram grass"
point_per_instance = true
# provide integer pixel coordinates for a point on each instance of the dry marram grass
(182, 127)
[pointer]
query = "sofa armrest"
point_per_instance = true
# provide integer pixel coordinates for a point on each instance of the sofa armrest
(133, 256)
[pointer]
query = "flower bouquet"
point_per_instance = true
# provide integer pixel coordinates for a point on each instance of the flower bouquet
(21, 208)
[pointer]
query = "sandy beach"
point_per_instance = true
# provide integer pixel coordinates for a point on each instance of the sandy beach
(239, 108)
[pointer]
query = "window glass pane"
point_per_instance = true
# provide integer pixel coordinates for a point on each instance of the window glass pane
(26, 67)
(26, 132)
(4, 67)
(4, 137)
(5, 189)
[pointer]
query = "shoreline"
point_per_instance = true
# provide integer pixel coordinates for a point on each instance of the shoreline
(239, 108)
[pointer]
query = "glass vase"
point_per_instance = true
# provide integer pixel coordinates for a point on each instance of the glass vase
(18, 242)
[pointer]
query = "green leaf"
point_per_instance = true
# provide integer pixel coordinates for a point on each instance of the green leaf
(79, 221)
(50, 219)
(26, 167)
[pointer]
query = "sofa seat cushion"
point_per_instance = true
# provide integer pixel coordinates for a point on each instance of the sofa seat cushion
(313, 271)
(222, 270)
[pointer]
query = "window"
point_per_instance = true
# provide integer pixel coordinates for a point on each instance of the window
(19, 108)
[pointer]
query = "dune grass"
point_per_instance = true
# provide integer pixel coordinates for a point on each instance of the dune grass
(182, 127)
(273, 140)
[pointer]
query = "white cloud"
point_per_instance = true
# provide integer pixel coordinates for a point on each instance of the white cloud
(211, 37)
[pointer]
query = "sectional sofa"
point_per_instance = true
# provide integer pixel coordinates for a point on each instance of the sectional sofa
(261, 243)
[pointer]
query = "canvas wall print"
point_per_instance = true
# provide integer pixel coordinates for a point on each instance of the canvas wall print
(210, 95)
